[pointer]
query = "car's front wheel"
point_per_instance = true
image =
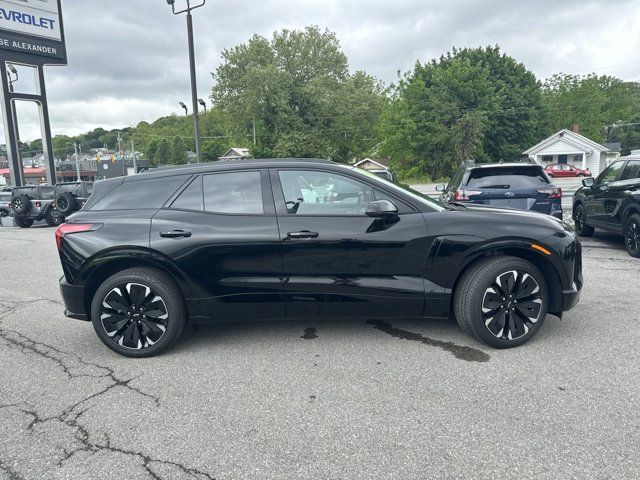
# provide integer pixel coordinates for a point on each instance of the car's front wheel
(632, 235)
(580, 219)
(138, 312)
(501, 301)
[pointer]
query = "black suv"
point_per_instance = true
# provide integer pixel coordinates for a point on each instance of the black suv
(71, 196)
(33, 203)
(305, 239)
(524, 186)
(611, 202)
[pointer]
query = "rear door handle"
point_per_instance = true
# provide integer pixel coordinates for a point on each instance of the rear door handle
(302, 234)
(175, 234)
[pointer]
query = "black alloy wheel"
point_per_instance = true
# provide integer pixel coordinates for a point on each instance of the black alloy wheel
(511, 305)
(632, 235)
(138, 312)
(579, 219)
(501, 301)
(134, 316)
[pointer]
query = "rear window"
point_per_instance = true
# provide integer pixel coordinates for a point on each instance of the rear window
(46, 193)
(507, 177)
(146, 194)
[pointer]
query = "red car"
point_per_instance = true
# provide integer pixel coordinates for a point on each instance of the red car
(565, 170)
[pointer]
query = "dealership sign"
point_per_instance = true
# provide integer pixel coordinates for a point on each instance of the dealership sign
(33, 27)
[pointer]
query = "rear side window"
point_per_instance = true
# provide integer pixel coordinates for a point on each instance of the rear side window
(631, 171)
(191, 197)
(233, 192)
(507, 177)
(46, 193)
(140, 194)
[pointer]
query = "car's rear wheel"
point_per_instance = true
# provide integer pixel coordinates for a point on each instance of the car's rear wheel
(580, 219)
(23, 222)
(138, 312)
(632, 235)
(501, 301)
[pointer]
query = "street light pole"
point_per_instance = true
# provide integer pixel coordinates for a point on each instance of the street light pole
(192, 69)
(75, 147)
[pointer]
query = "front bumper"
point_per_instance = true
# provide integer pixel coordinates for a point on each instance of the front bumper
(570, 298)
(73, 298)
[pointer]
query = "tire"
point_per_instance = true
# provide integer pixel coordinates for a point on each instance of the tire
(4, 213)
(66, 203)
(21, 204)
(130, 329)
(53, 219)
(632, 235)
(580, 219)
(485, 311)
(580, 175)
(549, 175)
(23, 222)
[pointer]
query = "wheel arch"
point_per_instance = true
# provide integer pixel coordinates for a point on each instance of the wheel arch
(105, 267)
(539, 260)
(630, 210)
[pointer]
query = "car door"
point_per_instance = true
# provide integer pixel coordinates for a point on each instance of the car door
(604, 196)
(337, 261)
(221, 232)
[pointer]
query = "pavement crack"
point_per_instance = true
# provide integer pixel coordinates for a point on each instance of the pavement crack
(462, 352)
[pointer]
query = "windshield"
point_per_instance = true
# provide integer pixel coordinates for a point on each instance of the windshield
(507, 178)
(417, 196)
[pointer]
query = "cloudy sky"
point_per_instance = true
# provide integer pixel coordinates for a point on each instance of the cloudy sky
(128, 58)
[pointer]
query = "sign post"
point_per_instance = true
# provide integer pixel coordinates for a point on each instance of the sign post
(31, 34)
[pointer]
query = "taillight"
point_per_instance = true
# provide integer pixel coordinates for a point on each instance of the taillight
(68, 228)
(551, 192)
(463, 195)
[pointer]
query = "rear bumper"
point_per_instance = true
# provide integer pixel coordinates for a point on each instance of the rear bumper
(73, 298)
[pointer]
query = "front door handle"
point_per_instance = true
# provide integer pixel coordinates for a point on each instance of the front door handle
(302, 234)
(175, 234)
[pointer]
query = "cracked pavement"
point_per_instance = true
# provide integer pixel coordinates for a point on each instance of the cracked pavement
(331, 399)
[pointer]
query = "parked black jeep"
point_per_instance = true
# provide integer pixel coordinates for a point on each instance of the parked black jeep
(611, 202)
(33, 203)
(71, 196)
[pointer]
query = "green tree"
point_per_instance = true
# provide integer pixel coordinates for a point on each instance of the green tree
(163, 153)
(296, 91)
(591, 102)
(178, 151)
(471, 103)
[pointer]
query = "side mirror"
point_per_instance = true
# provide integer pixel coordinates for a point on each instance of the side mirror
(588, 182)
(381, 208)
(440, 188)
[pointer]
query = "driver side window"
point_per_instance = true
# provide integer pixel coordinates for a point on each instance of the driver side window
(610, 174)
(313, 192)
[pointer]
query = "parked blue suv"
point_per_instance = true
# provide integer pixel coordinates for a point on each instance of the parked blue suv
(524, 186)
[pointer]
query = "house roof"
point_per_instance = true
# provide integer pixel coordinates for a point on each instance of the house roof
(572, 138)
(236, 152)
(381, 162)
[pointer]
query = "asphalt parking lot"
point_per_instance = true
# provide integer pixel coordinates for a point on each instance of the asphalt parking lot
(295, 400)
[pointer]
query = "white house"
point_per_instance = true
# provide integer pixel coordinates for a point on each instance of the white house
(236, 153)
(570, 147)
(373, 164)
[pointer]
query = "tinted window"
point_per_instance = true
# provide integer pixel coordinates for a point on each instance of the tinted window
(507, 177)
(610, 174)
(191, 197)
(310, 192)
(46, 193)
(632, 170)
(140, 194)
(233, 192)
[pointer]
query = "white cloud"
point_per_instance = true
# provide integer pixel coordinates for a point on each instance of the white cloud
(128, 60)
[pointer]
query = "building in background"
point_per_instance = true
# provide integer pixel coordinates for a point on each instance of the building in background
(236, 153)
(572, 148)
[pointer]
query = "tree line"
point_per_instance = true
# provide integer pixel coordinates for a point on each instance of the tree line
(292, 95)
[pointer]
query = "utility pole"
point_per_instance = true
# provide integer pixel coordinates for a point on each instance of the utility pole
(124, 163)
(254, 132)
(75, 147)
(135, 160)
(192, 69)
